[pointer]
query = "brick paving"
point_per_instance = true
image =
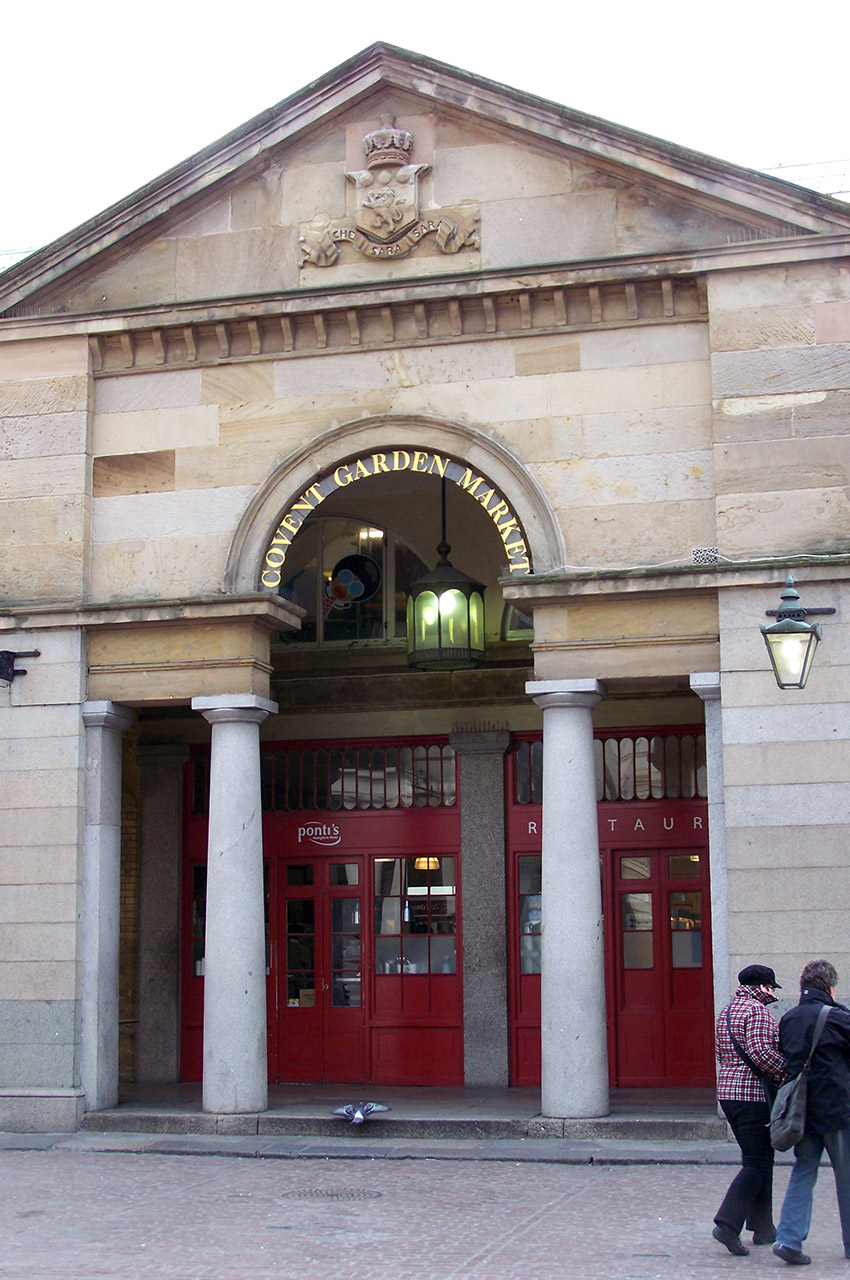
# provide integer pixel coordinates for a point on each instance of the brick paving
(66, 1215)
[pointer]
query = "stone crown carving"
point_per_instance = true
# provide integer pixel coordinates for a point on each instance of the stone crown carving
(387, 145)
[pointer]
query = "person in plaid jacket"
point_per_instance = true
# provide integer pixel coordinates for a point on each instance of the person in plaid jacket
(744, 1072)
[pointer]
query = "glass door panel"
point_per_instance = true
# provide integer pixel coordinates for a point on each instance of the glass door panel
(301, 953)
(637, 944)
(321, 1026)
(345, 948)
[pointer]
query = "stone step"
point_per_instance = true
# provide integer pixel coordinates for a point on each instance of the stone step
(460, 1128)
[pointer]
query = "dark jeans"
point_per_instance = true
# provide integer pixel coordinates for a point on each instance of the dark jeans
(797, 1210)
(749, 1199)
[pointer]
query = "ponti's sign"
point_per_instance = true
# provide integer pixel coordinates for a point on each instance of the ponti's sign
(374, 464)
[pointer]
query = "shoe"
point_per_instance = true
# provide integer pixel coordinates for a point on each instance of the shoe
(764, 1237)
(794, 1257)
(726, 1236)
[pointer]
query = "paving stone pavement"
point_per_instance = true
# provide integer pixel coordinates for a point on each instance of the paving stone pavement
(70, 1214)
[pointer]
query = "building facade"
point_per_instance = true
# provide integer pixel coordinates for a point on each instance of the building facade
(243, 839)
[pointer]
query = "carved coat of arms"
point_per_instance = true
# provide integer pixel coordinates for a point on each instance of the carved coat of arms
(388, 222)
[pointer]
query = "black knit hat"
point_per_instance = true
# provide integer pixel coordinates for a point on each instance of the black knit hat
(758, 975)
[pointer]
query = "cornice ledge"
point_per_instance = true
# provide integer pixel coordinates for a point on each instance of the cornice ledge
(272, 612)
(623, 270)
(647, 580)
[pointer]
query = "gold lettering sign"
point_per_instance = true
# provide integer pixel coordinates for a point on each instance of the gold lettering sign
(373, 464)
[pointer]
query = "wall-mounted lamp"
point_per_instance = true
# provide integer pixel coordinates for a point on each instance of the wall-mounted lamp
(791, 640)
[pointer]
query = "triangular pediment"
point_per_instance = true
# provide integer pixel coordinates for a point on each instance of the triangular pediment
(496, 180)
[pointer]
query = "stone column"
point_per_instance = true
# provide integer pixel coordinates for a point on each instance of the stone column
(158, 1038)
(105, 723)
(573, 1031)
(235, 1062)
(482, 826)
(707, 685)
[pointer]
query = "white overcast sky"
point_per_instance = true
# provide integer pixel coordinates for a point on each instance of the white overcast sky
(99, 98)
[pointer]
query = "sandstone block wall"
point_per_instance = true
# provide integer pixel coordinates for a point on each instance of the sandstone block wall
(45, 481)
(787, 767)
(41, 820)
(616, 428)
(780, 363)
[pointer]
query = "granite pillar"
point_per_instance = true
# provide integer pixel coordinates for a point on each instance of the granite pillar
(574, 1048)
(707, 685)
(485, 994)
(235, 1077)
(158, 1033)
(101, 908)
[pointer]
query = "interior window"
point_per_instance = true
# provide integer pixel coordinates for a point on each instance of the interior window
(350, 578)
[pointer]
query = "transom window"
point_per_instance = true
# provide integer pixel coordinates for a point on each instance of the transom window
(302, 779)
(629, 766)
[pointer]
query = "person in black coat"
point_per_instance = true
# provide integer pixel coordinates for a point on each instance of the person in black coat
(828, 1109)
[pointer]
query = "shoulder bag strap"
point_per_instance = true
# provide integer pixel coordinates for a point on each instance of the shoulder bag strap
(819, 1026)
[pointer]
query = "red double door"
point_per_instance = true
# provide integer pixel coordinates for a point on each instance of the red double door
(362, 944)
(655, 896)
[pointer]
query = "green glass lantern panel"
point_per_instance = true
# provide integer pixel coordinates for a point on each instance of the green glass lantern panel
(426, 615)
(476, 621)
(453, 621)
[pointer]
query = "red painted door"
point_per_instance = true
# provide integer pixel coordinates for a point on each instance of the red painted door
(524, 942)
(655, 897)
(322, 983)
(417, 1007)
(659, 935)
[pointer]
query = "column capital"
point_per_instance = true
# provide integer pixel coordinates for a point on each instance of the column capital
(706, 685)
(234, 708)
(107, 715)
(566, 693)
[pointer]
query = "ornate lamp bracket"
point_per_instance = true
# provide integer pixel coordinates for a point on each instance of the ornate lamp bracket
(8, 671)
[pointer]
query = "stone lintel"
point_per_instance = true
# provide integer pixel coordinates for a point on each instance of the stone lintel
(486, 743)
(175, 661)
(162, 755)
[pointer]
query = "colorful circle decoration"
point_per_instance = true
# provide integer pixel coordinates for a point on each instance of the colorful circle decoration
(355, 579)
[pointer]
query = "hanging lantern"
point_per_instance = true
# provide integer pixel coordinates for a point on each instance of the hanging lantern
(445, 615)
